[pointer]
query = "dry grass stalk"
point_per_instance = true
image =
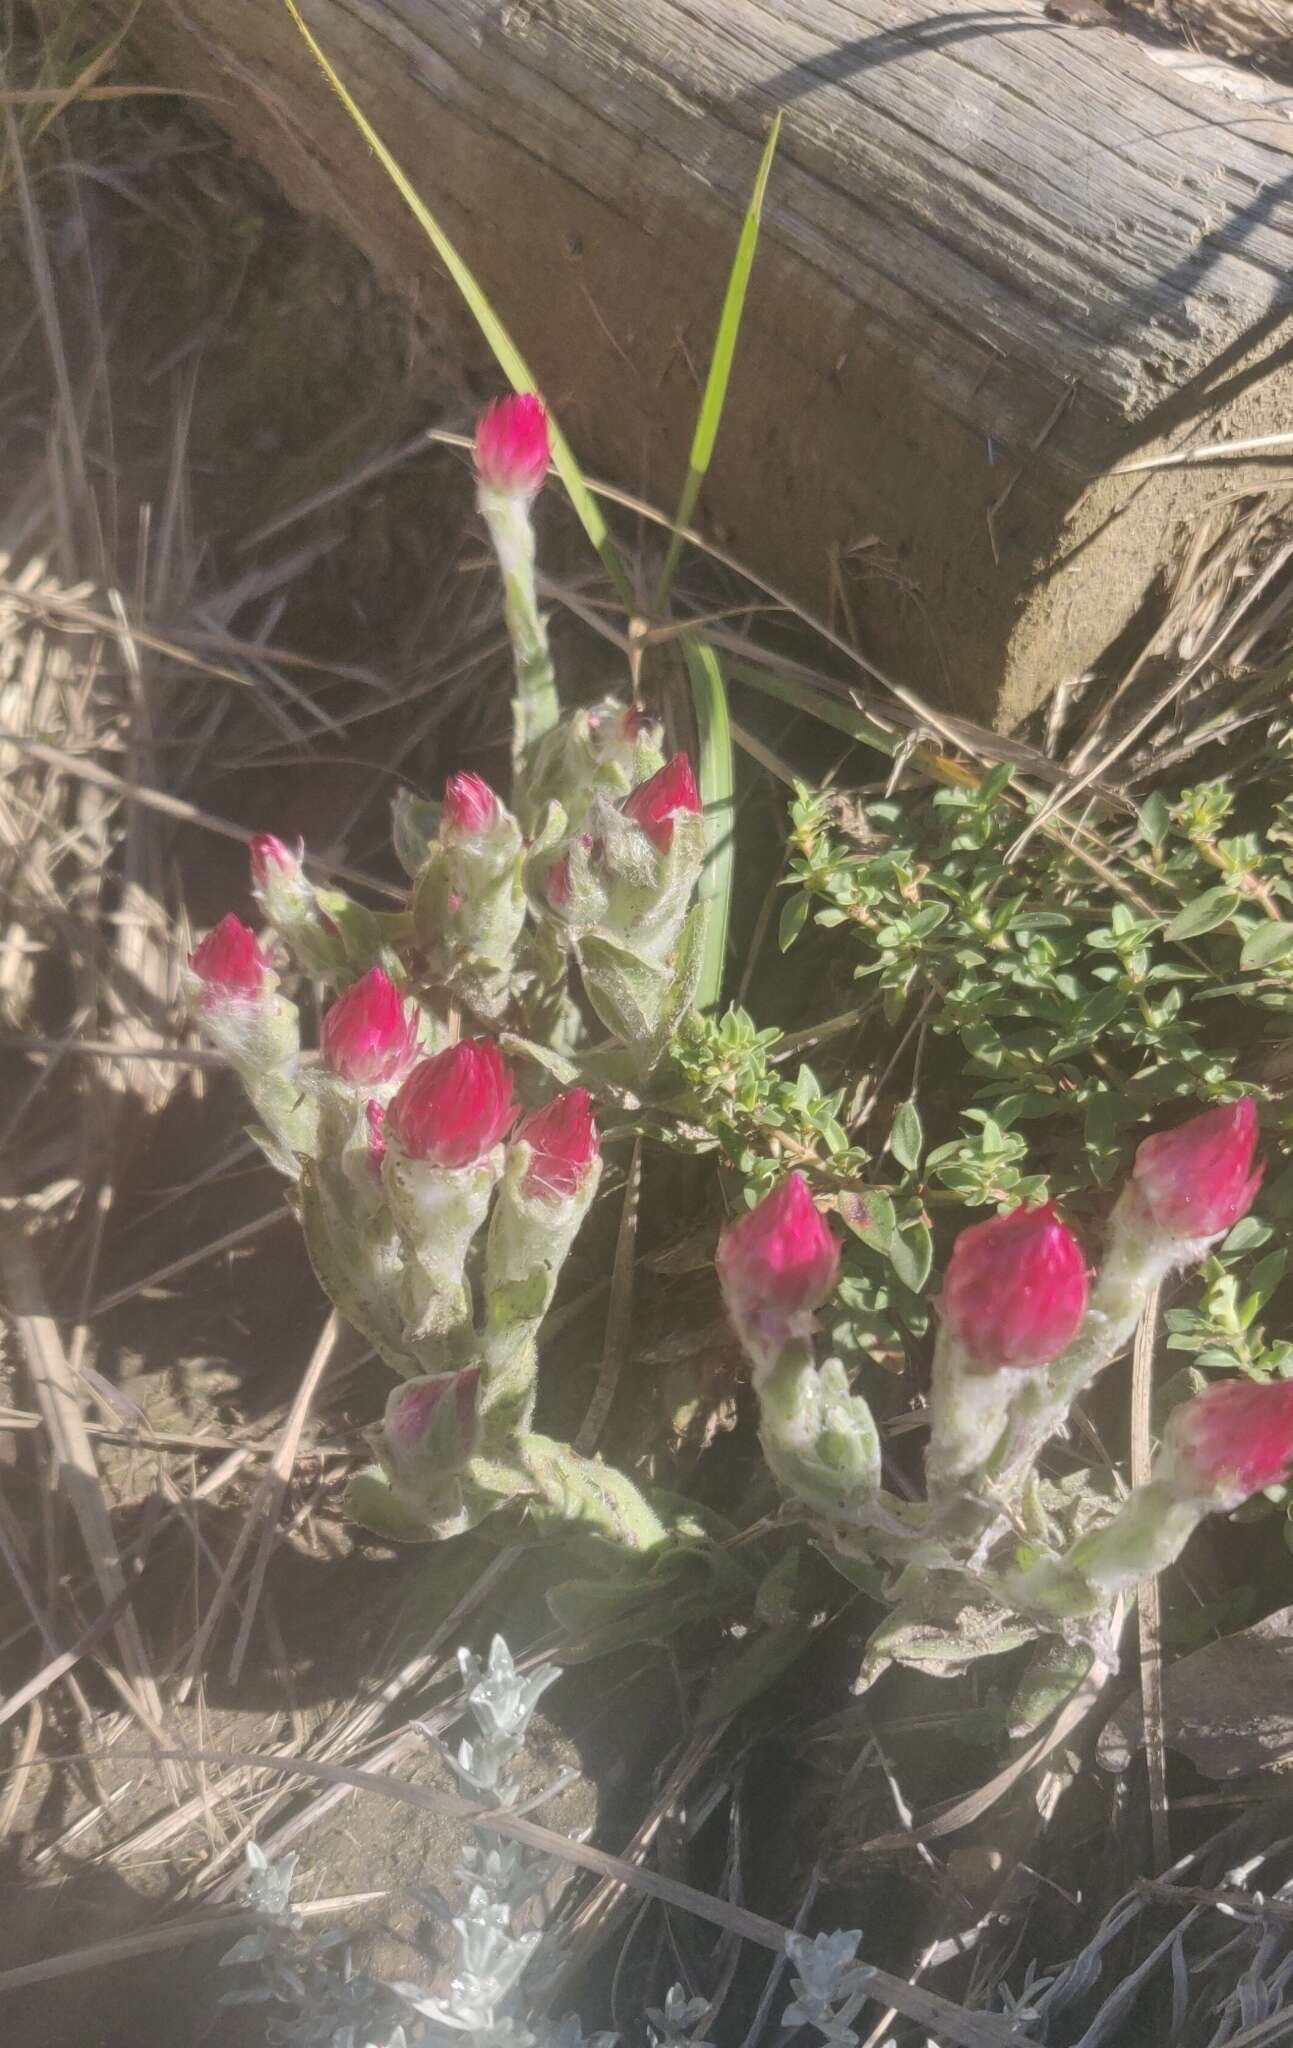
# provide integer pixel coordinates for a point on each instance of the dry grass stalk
(75, 1474)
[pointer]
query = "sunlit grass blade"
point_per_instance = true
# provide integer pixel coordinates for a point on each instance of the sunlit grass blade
(510, 359)
(828, 710)
(927, 757)
(714, 396)
(713, 725)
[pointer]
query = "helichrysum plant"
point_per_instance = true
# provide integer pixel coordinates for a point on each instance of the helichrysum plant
(994, 1554)
(444, 1149)
(441, 1141)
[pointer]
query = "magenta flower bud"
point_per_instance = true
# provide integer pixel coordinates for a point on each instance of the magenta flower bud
(431, 1426)
(454, 1107)
(558, 880)
(470, 808)
(1015, 1290)
(562, 1138)
(368, 1037)
(230, 965)
(557, 884)
(270, 857)
(1199, 1179)
(776, 1264)
(655, 804)
(1230, 1441)
(512, 445)
(375, 1112)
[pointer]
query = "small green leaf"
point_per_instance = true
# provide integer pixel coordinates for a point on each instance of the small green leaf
(1246, 1235)
(794, 916)
(1204, 914)
(1155, 819)
(995, 782)
(870, 1216)
(912, 1254)
(1103, 1009)
(1264, 1279)
(907, 1138)
(1269, 943)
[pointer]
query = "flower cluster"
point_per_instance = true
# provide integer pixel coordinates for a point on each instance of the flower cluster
(612, 872)
(1023, 1331)
(439, 1193)
(441, 1176)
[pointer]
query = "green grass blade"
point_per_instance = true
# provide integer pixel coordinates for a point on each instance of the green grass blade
(510, 359)
(818, 704)
(928, 758)
(714, 396)
(709, 696)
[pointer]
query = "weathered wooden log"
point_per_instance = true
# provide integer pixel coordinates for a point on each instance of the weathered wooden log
(1000, 256)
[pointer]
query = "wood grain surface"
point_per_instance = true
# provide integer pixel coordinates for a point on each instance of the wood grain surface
(1000, 254)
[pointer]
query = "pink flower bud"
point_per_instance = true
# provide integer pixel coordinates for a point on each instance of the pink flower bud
(455, 1106)
(512, 445)
(1231, 1440)
(655, 804)
(368, 1037)
(376, 1114)
(776, 1264)
(1015, 1289)
(470, 808)
(1199, 1179)
(557, 884)
(562, 1138)
(230, 964)
(433, 1424)
(270, 857)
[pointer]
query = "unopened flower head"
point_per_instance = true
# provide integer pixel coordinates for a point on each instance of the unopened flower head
(270, 857)
(438, 1412)
(1230, 1441)
(655, 804)
(559, 881)
(230, 965)
(1015, 1289)
(562, 1138)
(470, 808)
(512, 445)
(369, 1036)
(1199, 1179)
(776, 1264)
(455, 1106)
